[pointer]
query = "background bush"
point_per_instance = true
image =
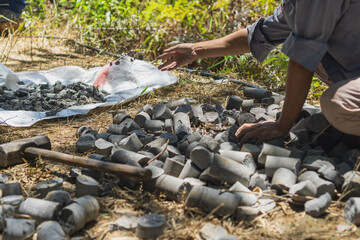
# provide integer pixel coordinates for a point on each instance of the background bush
(121, 26)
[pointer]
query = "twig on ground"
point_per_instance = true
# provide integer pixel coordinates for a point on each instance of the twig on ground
(167, 142)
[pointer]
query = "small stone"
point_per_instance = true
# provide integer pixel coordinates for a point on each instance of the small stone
(13, 200)
(103, 135)
(113, 138)
(161, 112)
(259, 180)
(50, 230)
(141, 118)
(210, 143)
(194, 137)
(352, 211)
(85, 143)
(332, 176)
(245, 118)
(351, 184)
(283, 179)
(44, 187)
(247, 105)
(185, 108)
(343, 168)
(59, 196)
(157, 163)
(154, 125)
(246, 198)
(173, 139)
(103, 147)
(131, 143)
(201, 157)
(272, 150)
(169, 125)
(234, 102)
(208, 108)
(314, 163)
(120, 117)
(173, 151)
(318, 206)
(253, 149)
(190, 170)
(194, 182)
(173, 167)
(222, 137)
(303, 189)
(148, 108)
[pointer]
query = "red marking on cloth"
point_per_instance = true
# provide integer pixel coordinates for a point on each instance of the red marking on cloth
(102, 76)
(281, 7)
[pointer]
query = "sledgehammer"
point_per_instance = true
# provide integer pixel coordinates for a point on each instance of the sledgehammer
(13, 152)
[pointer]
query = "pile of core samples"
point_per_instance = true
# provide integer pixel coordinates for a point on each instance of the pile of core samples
(206, 167)
(194, 156)
(50, 98)
(54, 215)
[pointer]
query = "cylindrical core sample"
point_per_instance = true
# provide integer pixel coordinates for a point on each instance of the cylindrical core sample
(150, 226)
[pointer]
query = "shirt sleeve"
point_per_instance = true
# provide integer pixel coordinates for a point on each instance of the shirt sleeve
(312, 23)
(265, 34)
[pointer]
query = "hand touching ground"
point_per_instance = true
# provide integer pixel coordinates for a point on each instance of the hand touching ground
(261, 131)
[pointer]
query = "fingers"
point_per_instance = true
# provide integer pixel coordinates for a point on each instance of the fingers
(173, 48)
(252, 130)
(172, 51)
(245, 128)
(167, 55)
(261, 131)
(252, 134)
(169, 65)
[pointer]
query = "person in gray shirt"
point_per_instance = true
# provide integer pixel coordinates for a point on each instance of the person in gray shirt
(320, 37)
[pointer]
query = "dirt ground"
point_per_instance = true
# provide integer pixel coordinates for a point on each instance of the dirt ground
(284, 222)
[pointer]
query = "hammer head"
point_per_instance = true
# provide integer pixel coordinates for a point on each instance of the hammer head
(12, 152)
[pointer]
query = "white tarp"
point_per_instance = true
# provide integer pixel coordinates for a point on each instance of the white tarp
(125, 80)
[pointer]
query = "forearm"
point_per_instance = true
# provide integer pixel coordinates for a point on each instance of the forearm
(232, 44)
(297, 87)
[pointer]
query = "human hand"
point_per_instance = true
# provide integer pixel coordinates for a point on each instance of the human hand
(261, 131)
(177, 56)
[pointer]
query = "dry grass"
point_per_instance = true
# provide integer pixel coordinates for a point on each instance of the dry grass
(182, 223)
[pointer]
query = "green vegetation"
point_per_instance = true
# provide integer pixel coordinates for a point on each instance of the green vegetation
(120, 26)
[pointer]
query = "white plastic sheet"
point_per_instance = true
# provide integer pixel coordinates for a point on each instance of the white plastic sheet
(125, 80)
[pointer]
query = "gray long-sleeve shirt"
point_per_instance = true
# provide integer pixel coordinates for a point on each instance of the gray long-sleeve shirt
(313, 32)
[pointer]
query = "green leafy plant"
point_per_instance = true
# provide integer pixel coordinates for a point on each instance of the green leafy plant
(151, 26)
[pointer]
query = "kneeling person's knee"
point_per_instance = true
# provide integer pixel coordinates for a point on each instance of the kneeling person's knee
(340, 104)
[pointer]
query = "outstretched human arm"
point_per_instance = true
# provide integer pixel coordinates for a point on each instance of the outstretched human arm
(179, 55)
(298, 83)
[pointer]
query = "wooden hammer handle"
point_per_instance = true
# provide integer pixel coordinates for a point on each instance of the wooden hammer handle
(114, 168)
